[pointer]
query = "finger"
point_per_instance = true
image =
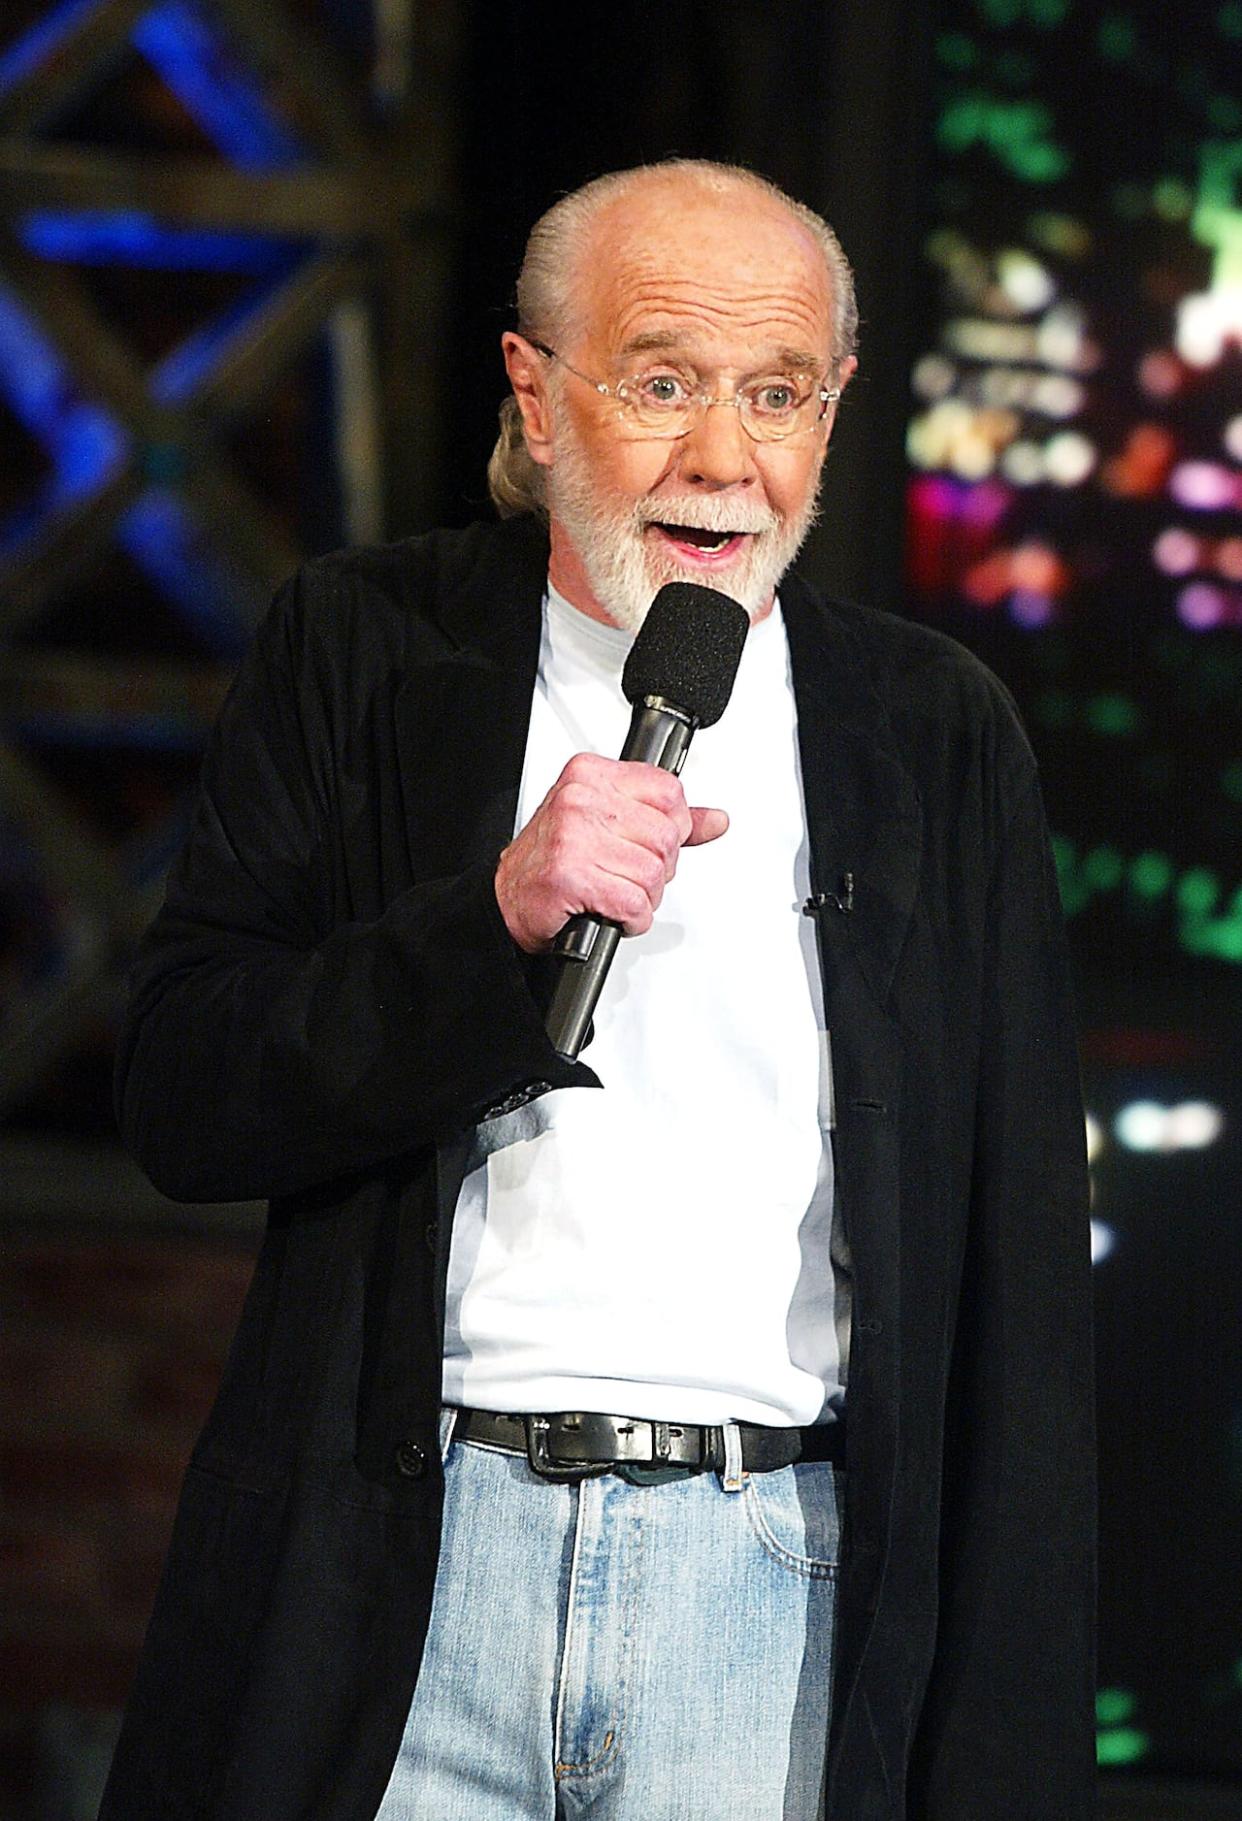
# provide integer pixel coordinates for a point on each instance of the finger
(649, 784)
(622, 899)
(706, 825)
(621, 822)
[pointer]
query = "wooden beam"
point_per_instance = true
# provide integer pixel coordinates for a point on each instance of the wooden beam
(357, 202)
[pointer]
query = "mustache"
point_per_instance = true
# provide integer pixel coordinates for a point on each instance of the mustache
(707, 514)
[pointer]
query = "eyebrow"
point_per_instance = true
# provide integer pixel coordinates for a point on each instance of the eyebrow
(664, 341)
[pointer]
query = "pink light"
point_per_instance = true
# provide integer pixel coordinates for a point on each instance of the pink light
(1176, 552)
(986, 502)
(1160, 373)
(1201, 605)
(1203, 486)
(935, 496)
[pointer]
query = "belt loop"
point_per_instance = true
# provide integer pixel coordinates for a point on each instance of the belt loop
(448, 1424)
(732, 1478)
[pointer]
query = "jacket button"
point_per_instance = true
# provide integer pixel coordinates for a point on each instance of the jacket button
(871, 1325)
(431, 1233)
(411, 1460)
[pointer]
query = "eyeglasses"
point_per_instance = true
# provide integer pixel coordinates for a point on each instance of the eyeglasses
(660, 402)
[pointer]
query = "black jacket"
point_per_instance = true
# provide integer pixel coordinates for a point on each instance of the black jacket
(328, 1002)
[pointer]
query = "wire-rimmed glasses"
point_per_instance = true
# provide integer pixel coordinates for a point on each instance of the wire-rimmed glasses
(662, 402)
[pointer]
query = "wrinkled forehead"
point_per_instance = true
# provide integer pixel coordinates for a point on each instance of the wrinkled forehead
(699, 268)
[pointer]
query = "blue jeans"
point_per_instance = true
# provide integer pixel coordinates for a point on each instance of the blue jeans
(624, 1652)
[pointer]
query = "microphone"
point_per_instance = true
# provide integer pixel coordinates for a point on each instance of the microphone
(679, 676)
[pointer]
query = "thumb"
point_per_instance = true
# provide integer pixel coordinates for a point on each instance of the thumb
(705, 825)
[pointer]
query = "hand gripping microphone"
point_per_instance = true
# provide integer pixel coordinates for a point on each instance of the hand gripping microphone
(679, 676)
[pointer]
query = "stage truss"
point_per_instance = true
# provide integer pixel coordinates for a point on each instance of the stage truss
(318, 180)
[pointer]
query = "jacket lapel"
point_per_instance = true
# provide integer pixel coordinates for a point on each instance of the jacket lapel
(863, 807)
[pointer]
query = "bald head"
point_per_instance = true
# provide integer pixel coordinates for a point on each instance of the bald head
(565, 243)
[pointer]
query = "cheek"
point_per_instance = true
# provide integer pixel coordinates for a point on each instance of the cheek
(632, 469)
(790, 477)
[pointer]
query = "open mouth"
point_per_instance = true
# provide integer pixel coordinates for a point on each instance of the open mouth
(702, 542)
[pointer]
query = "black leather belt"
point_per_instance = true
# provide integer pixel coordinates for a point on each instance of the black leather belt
(572, 1444)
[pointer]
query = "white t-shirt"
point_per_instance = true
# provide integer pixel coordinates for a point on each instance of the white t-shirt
(661, 1249)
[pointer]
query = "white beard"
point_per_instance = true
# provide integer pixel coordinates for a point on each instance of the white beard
(626, 566)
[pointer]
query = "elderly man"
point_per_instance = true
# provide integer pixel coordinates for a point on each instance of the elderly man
(716, 1444)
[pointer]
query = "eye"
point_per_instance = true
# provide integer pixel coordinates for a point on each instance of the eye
(775, 397)
(661, 389)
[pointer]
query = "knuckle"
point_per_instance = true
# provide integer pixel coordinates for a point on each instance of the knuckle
(581, 769)
(572, 797)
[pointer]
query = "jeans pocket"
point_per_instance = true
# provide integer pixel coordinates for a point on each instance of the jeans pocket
(795, 1513)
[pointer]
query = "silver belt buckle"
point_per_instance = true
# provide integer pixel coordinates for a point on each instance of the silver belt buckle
(542, 1461)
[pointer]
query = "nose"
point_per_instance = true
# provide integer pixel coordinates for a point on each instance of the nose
(717, 452)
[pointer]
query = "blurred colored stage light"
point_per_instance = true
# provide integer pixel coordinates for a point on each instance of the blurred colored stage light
(1146, 1125)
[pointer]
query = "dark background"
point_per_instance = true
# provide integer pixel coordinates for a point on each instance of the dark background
(1028, 189)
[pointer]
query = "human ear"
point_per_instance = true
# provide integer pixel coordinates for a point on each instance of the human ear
(527, 375)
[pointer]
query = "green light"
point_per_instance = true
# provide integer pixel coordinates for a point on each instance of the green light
(1015, 132)
(1048, 13)
(1103, 868)
(956, 51)
(1112, 715)
(1198, 891)
(1229, 19)
(1114, 1706)
(1217, 938)
(1231, 780)
(1125, 1745)
(1001, 12)
(1151, 875)
(1117, 37)
(1237, 1668)
(1220, 938)
(1217, 219)
(1172, 199)
(962, 123)
(1038, 163)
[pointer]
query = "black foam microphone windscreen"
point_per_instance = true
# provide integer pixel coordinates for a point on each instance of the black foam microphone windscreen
(687, 651)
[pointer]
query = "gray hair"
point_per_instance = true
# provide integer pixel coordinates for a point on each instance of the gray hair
(544, 295)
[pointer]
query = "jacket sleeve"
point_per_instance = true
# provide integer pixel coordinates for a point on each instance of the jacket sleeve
(268, 1046)
(1008, 1723)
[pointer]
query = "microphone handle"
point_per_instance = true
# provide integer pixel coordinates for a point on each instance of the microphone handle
(659, 735)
